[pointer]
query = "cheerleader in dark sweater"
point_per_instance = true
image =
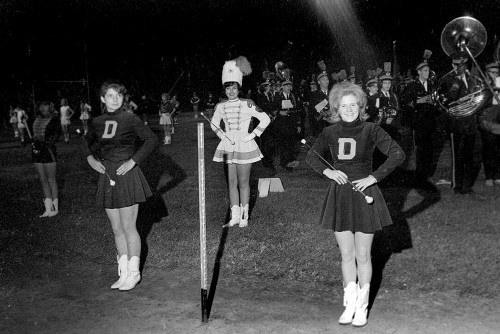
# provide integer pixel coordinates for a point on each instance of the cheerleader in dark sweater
(351, 142)
(46, 132)
(121, 183)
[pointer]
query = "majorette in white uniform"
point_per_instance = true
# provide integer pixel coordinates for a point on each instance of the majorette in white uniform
(237, 115)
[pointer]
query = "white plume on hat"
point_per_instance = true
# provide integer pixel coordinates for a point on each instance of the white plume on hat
(234, 70)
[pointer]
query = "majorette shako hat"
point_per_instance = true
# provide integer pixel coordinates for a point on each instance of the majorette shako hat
(286, 82)
(386, 76)
(492, 66)
(427, 55)
(373, 76)
(322, 67)
(287, 77)
(234, 70)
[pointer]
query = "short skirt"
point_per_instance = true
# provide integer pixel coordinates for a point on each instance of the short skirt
(84, 116)
(65, 122)
(43, 155)
(128, 189)
(240, 152)
(345, 209)
(165, 119)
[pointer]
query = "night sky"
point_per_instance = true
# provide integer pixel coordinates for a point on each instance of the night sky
(148, 43)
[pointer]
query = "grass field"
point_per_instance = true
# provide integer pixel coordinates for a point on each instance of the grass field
(438, 242)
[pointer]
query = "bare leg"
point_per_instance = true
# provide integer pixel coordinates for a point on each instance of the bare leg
(120, 240)
(345, 241)
(44, 181)
(363, 243)
(128, 219)
(243, 171)
(50, 171)
(232, 176)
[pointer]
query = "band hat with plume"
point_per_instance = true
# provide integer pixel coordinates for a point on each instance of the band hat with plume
(427, 55)
(322, 67)
(386, 76)
(373, 76)
(234, 70)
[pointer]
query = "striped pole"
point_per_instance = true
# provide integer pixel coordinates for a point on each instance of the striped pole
(203, 230)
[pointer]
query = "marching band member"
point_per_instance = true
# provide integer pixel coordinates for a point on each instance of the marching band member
(372, 104)
(351, 141)
(490, 138)
(422, 115)
(265, 101)
(237, 148)
(286, 125)
(122, 186)
(454, 85)
(319, 109)
(65, 115)
(388, 107)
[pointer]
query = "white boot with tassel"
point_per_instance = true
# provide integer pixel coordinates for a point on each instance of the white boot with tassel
(55, 208)
(122, 271)
(350, 297)
(47, 202)
(360, 318)
(244, 216)
(134, 275)
(235, 215)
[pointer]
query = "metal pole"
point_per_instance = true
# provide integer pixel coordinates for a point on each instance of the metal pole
(203, 231)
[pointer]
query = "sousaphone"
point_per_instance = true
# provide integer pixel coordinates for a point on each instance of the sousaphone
(468, 36)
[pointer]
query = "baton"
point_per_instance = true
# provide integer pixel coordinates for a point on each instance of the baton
(368, 199)
(218, 129)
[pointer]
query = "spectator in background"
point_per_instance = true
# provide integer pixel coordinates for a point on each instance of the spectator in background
(65, 115)
(85, 110)
(13, 121)
(195, 103)
(22, 119)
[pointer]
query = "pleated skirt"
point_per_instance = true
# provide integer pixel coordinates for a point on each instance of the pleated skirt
(345, 209)
(240, 152)
(127, 190)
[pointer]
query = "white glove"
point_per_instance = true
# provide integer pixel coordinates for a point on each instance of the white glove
(247, 138)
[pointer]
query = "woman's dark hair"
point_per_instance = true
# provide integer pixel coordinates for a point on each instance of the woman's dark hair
(112, 84)
(230, 83)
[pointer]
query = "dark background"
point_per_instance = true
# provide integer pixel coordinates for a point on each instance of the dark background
(148, 43)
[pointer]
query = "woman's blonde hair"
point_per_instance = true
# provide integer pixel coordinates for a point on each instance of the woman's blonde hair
(342, 89)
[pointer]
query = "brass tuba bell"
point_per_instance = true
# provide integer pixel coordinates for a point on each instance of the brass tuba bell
(282, 71)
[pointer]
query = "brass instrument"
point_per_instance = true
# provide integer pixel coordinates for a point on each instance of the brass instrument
(467, 35)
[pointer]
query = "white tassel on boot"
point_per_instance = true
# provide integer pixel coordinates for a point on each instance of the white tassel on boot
(235, 215)
(360, 318)
(167, 140)
(244, 216)
(134, 275)
(350, 297)
(55, 208)
(122, 271)
(47, 202)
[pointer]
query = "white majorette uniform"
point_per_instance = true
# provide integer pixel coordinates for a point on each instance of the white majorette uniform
(237, 115)
(86, 108)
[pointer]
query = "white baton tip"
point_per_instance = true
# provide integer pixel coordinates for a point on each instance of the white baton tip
(202, 114)
(303, 141)
(77, 130)
(369, 199)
